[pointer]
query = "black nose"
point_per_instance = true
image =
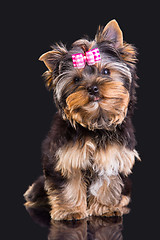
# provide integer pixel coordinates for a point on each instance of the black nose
(93, 90)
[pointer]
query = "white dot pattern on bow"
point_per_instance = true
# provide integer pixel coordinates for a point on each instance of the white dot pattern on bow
(91, 57)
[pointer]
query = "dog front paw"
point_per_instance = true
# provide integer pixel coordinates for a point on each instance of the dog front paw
(76, 216)
(113, 212)
(64, 215)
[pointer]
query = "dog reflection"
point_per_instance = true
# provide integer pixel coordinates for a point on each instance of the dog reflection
(93, 228)
(76, 230)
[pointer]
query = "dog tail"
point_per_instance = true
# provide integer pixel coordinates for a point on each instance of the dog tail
(36, 195)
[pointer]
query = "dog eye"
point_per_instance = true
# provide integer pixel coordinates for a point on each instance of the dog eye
(77, 79)
(105, 71)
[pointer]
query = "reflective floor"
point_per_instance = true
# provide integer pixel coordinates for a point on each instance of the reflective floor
(138, 224)
(93, 228)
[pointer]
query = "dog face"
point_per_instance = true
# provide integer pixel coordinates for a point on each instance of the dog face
(95, 96)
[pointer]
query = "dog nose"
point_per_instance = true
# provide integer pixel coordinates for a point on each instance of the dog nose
(93, 90)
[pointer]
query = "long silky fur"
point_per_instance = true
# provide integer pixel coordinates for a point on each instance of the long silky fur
(90, 149)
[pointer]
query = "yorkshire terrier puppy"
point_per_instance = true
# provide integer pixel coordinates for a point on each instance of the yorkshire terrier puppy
(90, 149)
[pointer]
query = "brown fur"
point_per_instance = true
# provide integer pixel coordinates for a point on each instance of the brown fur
(71, 203)
(108, 199)
(74, 156)
(90, 149)
(114, 158)
(79, 109)
(113, 32)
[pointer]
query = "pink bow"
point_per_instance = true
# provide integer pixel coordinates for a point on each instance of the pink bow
(91, 57)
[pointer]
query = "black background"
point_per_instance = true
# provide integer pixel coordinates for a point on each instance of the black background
(28, 31)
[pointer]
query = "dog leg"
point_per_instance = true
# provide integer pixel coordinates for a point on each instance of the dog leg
(107, 201)
(70, 202)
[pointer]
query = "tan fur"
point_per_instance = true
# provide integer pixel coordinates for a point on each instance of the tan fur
(99, 209)
(77, 99)
(114, 103)
(107, 163)
(84, 116)
(124, 201)
(109, 202)
(115, 158)
(71, 202)
(105, 196)
(74, 156)
(108, 197)
(50, 56)
(129, 54)
(95, 97)
(112, 28)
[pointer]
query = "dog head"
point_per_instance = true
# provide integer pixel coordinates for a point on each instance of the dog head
(96, 96)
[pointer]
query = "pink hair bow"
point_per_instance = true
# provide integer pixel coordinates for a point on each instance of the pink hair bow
(91, 57)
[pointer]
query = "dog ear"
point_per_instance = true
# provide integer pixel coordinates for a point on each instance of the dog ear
(52, 58)
(111, 33)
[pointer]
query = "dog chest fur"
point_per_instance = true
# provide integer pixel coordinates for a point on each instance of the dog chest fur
(110, 161)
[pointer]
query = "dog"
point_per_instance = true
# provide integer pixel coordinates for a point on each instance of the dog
(89, 151)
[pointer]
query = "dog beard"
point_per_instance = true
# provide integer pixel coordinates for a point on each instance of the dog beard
(103, 112)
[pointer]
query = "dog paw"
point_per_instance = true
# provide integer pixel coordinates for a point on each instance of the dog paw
(69, 216)
(75, 216)
(113, 213)
(105, 211)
